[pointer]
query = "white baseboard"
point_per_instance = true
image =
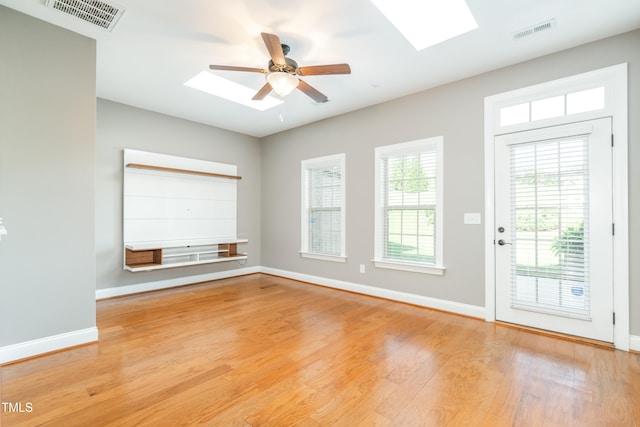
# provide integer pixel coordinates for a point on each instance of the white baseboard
(450, 306)
(439, 304)
(172, 283)
(634, 342)
(39, 346)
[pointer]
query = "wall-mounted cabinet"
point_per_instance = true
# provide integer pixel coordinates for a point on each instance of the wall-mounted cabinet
(143, 257)
(178, 211)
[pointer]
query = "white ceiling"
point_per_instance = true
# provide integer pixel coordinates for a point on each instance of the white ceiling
(160, 44)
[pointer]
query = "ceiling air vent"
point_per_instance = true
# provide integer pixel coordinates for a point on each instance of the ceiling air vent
(104, 15)
(547, 25)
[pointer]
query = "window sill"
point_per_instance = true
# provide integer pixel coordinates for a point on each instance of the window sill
(408, 266)
(333, 258)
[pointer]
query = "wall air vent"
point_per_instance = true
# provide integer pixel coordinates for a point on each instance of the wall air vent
(547, 25)
(104, 15)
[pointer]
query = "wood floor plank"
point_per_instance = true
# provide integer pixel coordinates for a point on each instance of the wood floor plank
(267, 351)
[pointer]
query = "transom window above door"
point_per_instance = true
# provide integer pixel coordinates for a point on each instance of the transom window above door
(554, 106)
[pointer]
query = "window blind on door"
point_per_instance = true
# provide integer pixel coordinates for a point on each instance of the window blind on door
(550, 213)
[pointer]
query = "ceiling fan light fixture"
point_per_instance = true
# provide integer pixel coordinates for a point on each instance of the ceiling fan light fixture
(282, 83)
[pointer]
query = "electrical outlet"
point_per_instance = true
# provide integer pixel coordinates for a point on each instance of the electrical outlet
(361, 268)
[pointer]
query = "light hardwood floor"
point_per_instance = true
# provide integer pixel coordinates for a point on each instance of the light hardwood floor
(266, 351)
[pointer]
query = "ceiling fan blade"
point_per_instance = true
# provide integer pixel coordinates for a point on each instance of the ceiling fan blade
(312, 92)
(232, 68)
(316, 70)
(274, 47)
(264, 91)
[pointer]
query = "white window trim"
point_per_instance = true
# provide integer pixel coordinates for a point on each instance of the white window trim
(323, 257)
(614, 79)
(400, 149)
(304, 231)
(409, 266)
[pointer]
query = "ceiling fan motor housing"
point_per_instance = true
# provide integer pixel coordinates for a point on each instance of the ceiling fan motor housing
(290, 66)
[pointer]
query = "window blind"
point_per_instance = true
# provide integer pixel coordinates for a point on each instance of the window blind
(549, 212)
(410, 206)
(325, 209)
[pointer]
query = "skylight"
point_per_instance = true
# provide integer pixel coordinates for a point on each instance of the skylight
(232, 91)
(428, 22)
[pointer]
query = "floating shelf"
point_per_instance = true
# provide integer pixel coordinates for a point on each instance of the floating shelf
(166, 169)
(146, 256)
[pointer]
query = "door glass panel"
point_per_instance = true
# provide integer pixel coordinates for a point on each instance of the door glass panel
(549, 210)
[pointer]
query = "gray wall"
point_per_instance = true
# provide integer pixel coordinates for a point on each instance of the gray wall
(121, 126)
(455, 111)
(47, 165)
(61, 184)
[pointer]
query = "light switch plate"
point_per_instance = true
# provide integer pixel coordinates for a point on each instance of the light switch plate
(472, 218)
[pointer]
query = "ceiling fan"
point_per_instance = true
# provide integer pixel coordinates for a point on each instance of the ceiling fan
(282, 72)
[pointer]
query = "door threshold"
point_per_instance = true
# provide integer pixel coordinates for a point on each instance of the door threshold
(564, 337)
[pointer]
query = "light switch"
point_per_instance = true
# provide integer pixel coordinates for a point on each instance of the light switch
(3, 230)
(472, 218)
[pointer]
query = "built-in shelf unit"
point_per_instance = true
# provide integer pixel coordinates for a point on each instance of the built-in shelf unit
(178, 212)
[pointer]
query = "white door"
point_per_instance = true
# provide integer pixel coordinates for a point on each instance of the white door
(554, 237)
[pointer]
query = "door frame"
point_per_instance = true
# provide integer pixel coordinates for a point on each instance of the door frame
(614, 79)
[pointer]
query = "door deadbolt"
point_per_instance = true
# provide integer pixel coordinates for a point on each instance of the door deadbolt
(500, 229)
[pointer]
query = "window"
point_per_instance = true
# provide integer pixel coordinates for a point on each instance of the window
(569, 103)
(409, 206)
(323, 203)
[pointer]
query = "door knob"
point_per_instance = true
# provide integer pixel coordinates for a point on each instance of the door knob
(502, 242)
